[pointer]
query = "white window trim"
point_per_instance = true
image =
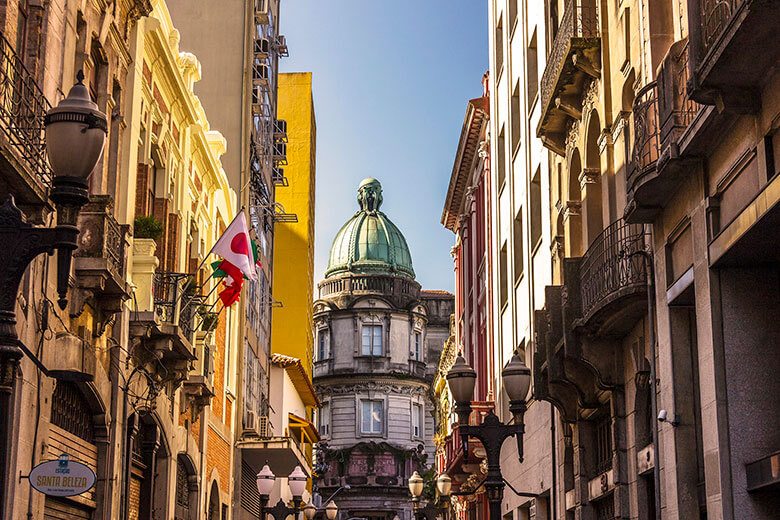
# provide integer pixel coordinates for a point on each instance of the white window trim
(359, 399)
(324, 419)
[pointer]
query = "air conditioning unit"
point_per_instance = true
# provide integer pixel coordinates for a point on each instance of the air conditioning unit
(264, 427)
(260, 73)
(261, 11)
(281, 46)
(262, 48)
(251, 426)
(280, 130)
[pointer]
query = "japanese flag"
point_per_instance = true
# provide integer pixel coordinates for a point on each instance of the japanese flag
(235, 247)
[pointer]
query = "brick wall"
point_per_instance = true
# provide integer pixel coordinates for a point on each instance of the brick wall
(218, 456)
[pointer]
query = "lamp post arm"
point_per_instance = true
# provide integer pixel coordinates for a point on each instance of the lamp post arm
(520, 493)
(335, 493)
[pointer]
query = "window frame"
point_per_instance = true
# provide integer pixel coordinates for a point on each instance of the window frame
(373, 336)
(323, 344)
(417, 421)
(324, 419)
(373, 403)
(417, 348)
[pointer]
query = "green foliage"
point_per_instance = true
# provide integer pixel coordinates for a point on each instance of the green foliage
(429, 483)
(147, 227)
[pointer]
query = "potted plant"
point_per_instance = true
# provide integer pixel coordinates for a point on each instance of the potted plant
(147, 227)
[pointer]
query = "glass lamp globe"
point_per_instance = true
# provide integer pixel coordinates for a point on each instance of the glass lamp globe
(517, 379)
(415, 485)
(309, 511)
(265, 481)
(297, 482)
(444, 485)
(331, 510)
(75, 134)
(461, 379)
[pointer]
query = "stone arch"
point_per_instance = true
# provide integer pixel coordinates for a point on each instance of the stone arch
(151, 465)
(79, 417)
(212, 511)
(187, 488)
(590, 181)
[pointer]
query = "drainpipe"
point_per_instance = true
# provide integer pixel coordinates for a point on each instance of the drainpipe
(554, 486)
(647, 254)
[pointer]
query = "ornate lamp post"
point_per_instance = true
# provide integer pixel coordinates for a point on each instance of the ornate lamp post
(492, 432)
(296, 481)
(75, 135)
(431, 511)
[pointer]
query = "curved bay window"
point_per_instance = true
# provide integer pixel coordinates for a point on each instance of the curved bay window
(71, 432)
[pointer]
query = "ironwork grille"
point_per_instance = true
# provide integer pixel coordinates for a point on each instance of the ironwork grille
(578, 21)
(172, 304)
(182, 486)
(70, 411)
(715, 15)
(605, 509)
(114, 244)
(22, 109)
(688, 107)
(612, 263)
(604, 444)
(646, 128)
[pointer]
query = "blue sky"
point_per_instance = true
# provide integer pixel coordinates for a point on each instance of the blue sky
(391, 82)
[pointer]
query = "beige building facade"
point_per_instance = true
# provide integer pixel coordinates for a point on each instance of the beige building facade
(659, 124)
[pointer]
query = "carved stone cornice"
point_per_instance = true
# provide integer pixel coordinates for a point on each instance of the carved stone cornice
(371, 386)
(557, 248)
(591, 96)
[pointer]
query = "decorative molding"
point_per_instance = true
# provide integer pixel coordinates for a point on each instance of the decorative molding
(372, 386)
(589, 176)
(572, 209)
(557, 248)
(591, 96)
(572, 136)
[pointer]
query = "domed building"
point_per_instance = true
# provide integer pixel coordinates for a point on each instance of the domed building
(378, 340)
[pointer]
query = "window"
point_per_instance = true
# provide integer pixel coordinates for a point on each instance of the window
(372, 340)
(603, 429)
(518, 246)
(515, 117)
(532, 71)
(322, 344)
(501, 159)
(502, 280)
(325, 419)
(417, 346)
(371, 416)
(536, 208)
(417, 421)
(512, 15)
(500, 45)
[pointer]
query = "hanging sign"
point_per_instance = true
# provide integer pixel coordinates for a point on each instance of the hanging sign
(62, 477)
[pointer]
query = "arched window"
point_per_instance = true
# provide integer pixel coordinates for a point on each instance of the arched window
(182, 485)
(69, 411)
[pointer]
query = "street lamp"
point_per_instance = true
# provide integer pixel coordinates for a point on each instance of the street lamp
(492, 432)
(75, 134)
(331, 510)
(432, 510)
(265, 483)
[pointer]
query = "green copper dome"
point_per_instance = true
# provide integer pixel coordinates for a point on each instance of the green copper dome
(369, 242)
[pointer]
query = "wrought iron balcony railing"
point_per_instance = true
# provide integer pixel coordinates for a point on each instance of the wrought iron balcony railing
(715, 16)
(22, 109)
(646, 131)
(175, 302)
(612, 263)
(579, 21)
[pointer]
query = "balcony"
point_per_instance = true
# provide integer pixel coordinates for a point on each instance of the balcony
(371, 365)
(198, 389)
(25, 171)
(613, 280)
(165, 328)
(401, 290)
(669, 135)
(99, 262)
(573, 60)
(734, 44)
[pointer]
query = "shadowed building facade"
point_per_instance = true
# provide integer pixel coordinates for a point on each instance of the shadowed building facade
(372, 324)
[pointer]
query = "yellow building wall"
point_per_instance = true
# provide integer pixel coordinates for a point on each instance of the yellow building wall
(293, 283)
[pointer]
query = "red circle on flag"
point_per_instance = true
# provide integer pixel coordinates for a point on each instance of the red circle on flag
(239, 245)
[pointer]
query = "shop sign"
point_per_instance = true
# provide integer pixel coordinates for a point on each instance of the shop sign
(62, 477)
